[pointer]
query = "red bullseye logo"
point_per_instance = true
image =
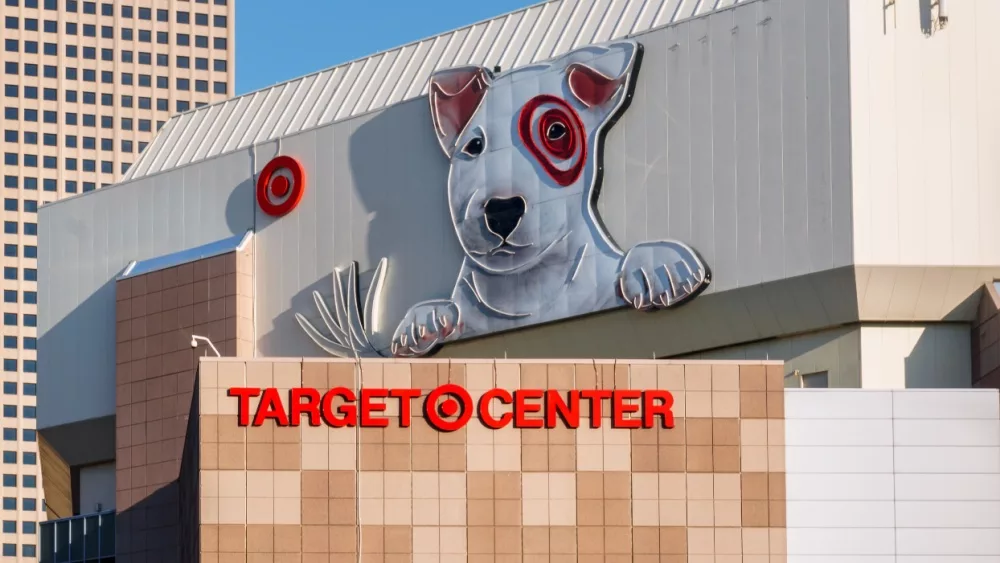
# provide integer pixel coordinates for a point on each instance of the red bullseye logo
(280, 186)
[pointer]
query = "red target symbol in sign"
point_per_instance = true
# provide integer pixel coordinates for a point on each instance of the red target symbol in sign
(280, 186)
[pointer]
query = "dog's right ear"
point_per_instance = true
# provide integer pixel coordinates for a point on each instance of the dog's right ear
(455, 95)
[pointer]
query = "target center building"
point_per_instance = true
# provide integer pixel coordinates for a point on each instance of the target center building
(729, 204)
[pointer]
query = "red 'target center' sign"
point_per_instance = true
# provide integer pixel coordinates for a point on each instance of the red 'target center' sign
(450, 407)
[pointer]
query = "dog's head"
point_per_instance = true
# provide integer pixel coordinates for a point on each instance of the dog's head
(525, 150)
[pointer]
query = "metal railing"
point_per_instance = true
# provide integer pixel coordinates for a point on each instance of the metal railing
(88, 538)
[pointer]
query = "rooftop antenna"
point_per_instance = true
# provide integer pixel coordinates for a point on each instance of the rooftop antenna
(194, 344)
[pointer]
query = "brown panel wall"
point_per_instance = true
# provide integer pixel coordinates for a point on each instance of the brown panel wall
(711, 489)
(157, 313)
(986, 341)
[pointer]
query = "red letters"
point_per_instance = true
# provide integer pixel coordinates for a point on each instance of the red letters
(243, 407)
(522, 408)
(367, 407)
(486, 417)
(311, 407)
(450, 407)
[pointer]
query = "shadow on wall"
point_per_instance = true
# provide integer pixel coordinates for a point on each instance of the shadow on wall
(401, 178)
(240, 197)
(941, 358)
(60, 354)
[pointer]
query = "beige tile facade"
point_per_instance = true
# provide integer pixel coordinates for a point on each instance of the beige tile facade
(86, 86)
(711, 489)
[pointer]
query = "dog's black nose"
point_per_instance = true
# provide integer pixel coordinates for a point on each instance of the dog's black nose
(504, 214)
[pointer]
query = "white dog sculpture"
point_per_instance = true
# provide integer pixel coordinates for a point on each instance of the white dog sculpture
(525, 151)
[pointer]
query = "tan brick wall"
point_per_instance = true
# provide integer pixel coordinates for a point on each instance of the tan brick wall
(711, 489)
(156, 315)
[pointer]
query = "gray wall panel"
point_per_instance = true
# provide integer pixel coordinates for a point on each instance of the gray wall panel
(86, 241)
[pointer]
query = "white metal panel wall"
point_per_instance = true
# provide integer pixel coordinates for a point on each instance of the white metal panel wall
(97, 486)
(916, 356)
(86, 241)
(701, 156)
(925, 133)
(907, 476)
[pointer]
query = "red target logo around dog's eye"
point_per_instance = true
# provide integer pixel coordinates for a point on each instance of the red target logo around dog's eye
(552, 132)
(280, 186)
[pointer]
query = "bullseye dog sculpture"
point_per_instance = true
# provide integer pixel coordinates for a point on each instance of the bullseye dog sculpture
(525, 152)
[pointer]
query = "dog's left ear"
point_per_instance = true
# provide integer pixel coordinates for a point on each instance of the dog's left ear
(602, 82)
(455, 96)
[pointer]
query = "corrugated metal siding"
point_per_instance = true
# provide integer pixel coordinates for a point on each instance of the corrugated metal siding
(535, 33)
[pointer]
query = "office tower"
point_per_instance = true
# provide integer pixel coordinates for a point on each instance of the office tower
(86, 87)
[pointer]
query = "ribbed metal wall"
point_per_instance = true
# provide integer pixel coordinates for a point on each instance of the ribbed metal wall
(533, 34)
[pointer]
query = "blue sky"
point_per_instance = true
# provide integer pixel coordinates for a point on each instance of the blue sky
(277, 41)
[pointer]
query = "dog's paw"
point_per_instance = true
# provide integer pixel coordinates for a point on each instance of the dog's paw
(426, 326)
(661, 274)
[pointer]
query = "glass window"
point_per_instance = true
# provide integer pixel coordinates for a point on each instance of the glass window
(126, 78)
(29, 435)
(183, 105)
(9, 549)
(162, 16)
(29, 412)
(49, 184)
(107, 9)
(9, 480)
(219, 87)
(162, 60)
(183, 62)
(127, 57)
(50, 26)
(126, 34)
(145, 14)
(29, 527)
(29, 458)
(219, 43)
(183, 17)
(108, 55)
(9, 526)
(10, 387)
(9, 457)
(71, 51)
(107, 32)
(10, 319)
(9, 296)
(201, 41)
(28, 550)
(29, 504)
(219, 21)
(201, 63)
(30, 389)
(183, 84)
(126, 11)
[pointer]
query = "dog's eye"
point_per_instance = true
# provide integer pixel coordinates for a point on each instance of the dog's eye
(556, 131)
(474, 147)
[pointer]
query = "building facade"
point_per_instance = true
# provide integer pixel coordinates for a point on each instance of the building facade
(717, 184)
(86, 87)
